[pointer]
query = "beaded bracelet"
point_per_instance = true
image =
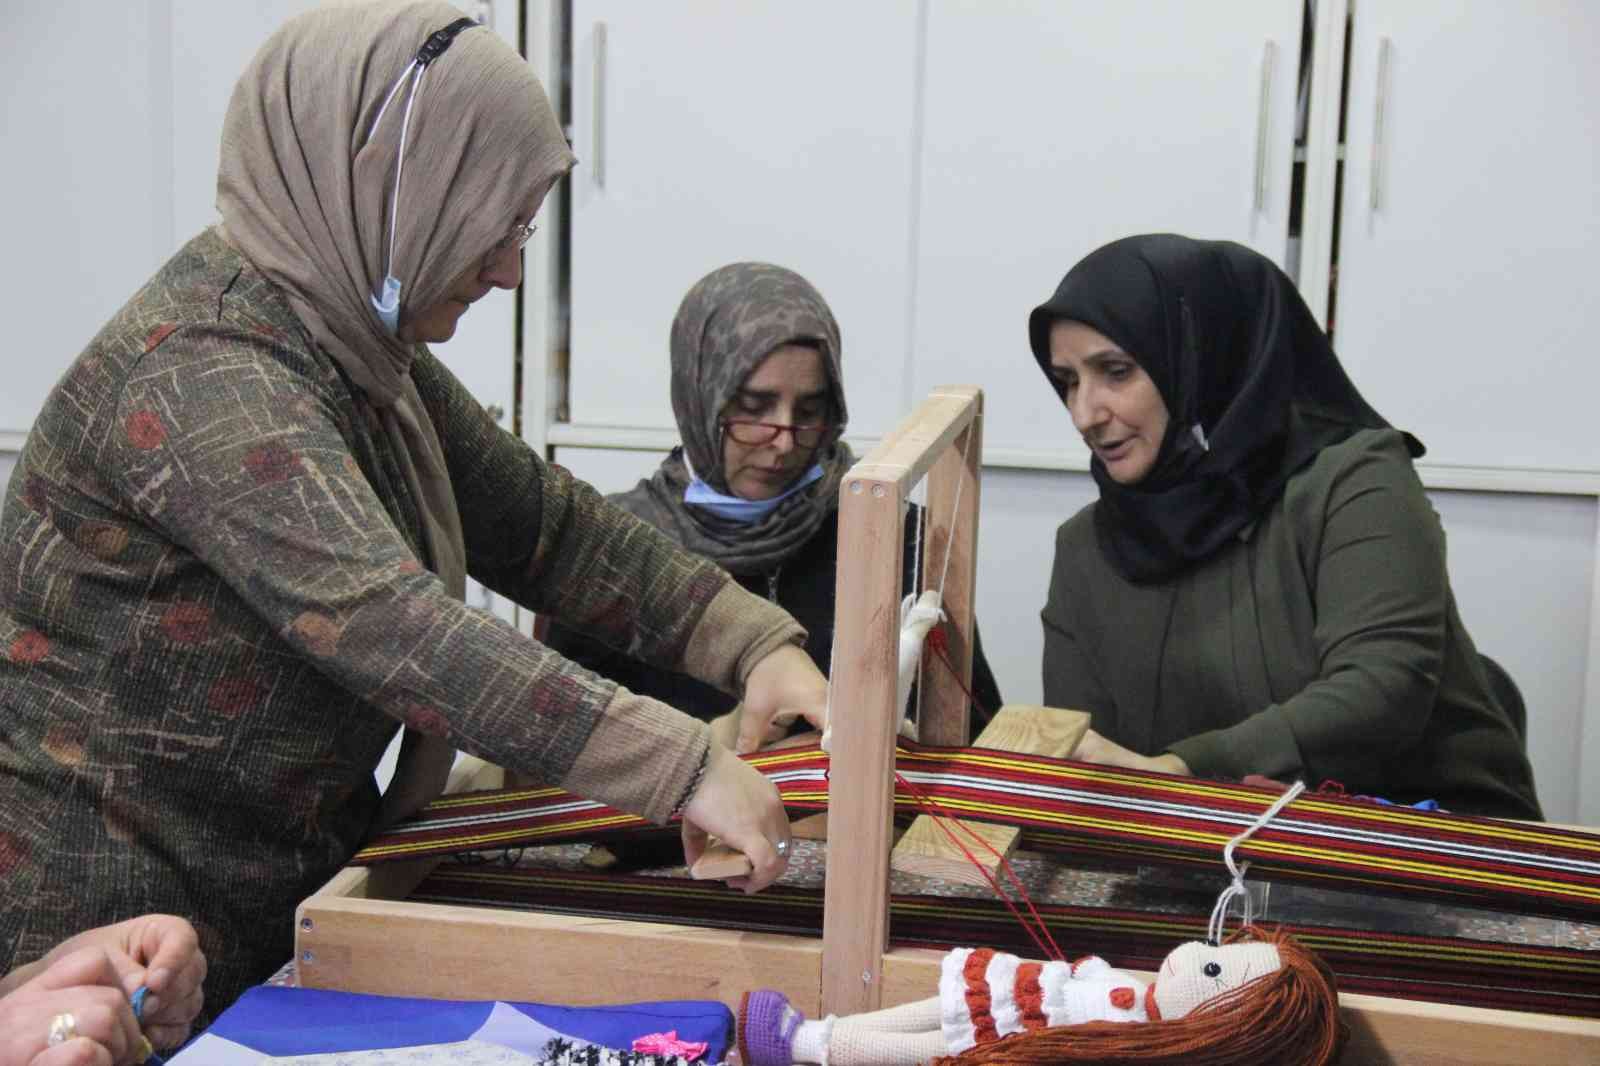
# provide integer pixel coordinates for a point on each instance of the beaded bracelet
(694, 781)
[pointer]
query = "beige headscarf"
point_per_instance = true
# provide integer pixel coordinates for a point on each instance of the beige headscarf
(305, 192)
(306, 182)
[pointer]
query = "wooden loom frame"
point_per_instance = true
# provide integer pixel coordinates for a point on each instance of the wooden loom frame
(359, 933)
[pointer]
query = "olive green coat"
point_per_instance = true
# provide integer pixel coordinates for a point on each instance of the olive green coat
(1322, 644)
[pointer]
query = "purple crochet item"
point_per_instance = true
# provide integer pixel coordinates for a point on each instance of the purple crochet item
(766, 1028)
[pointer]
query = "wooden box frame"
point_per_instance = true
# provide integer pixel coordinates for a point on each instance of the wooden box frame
(359, 934)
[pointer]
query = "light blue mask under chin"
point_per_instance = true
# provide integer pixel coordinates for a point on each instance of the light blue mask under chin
(388, 308)
(737, 508)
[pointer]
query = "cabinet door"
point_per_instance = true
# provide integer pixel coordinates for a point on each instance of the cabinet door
(1054, 126)
(712, 132)
(1464, 305)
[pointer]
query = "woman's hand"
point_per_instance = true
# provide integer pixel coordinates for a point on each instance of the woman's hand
(162, 953)
(1097, 749)
(158, 952)
(740, 807)
(783, 686)
(101, 1030)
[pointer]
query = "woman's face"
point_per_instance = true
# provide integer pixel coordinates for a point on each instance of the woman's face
(788, 388)
(1115, 406)
(500, 268)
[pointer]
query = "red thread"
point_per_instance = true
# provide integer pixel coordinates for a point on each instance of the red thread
(939, 644)
(1041, 938)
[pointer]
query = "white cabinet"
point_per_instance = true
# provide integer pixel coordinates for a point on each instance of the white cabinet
(1464, 304)
(712, 132)
(932, 167)
(1052, 127)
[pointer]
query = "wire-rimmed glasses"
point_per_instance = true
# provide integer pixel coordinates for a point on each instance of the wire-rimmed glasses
(519, 236)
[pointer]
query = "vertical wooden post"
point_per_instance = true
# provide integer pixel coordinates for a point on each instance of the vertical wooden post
(945, 717)
(855, 926)
(866, 641)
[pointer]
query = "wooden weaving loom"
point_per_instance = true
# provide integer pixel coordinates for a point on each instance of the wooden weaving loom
(360, 934)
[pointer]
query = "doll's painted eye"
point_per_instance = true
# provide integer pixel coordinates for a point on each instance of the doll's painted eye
(1212, 969)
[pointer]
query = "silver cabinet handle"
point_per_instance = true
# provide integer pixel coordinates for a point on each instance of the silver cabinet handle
(1379, 147)
(1264, 124)
(597, 103)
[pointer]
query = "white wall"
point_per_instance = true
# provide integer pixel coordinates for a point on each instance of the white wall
(8, 462)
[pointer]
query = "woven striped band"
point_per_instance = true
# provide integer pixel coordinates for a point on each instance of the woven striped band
(1076, 808)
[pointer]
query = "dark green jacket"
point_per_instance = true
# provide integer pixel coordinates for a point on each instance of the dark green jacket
(802, 586)
(1322, 644)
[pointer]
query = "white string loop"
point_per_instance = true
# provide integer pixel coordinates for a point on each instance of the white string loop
(950, 541)
(1237, 888)
(918, 613)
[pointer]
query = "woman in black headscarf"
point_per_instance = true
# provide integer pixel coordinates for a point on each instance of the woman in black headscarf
(1261, 587)
(759, 400)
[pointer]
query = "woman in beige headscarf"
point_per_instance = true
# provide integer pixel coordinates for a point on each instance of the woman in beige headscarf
(234, 549)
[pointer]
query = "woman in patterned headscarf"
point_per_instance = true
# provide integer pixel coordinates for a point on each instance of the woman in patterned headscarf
(1261, 587)
(760, 405)
(234, 549)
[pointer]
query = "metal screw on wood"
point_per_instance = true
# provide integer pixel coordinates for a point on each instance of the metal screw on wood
(306, 956)
(878, 492)
(307, 923)
(855, 487)
(866, 977)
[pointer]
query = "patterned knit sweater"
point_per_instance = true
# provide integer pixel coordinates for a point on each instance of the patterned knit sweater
(215, 612)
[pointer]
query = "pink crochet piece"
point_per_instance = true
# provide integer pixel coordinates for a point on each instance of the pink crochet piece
(668, 1044)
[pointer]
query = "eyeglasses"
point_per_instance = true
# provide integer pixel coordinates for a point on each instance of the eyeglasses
(515, 239)
(755, 433)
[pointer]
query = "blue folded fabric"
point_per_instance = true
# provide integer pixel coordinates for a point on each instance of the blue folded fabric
(306, 1021)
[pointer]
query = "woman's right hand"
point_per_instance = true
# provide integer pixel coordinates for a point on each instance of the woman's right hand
(742, 809)
(85, 985)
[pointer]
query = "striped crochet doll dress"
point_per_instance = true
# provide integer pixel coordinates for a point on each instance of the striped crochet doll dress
(984, 995)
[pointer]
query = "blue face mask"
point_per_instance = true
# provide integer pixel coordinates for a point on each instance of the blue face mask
(386, 302)
(737, 508)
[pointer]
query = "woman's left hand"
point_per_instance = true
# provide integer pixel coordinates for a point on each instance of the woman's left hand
(784, 686)
(161, 953)
(167, 961)
(1097, 749)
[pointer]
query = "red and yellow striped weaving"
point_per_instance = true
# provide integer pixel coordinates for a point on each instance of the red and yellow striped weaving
(1076, 808)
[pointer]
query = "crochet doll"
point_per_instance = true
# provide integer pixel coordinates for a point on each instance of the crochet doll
(1259, 998)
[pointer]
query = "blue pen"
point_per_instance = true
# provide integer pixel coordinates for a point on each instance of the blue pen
(152, 1059)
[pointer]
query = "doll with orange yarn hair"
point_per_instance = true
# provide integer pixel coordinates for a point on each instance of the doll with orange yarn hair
(1260, 997)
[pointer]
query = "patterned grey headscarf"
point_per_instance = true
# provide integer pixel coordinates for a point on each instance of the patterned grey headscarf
(730, 321)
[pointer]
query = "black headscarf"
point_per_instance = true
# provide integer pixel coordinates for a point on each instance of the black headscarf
(1250, 381)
